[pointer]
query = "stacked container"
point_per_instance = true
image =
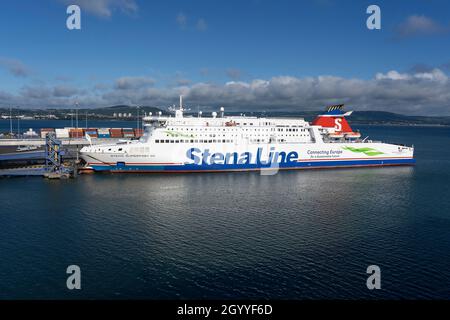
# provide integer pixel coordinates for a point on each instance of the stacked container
(62, 133)
(91, 132)
(103, 132)
(115, 133)
(138, 133)
(128, 133)
(75, 133)
(44, 131)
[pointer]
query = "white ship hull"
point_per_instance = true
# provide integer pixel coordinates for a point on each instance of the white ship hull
(142, 157)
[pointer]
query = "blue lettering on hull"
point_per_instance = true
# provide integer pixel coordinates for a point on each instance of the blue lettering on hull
(197, 157)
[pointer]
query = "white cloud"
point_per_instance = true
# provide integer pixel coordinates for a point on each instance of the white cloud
(434, 75)
(14, 66)
(392, 75)
(183, 81)
(105, 8)
(181, 20)
(425, 92)
(64, 91)
(201, 25)
(126, 83)
(233, 73)
(417, 25)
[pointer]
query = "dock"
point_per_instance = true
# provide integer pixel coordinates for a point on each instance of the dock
(65, 142)
(54, 167)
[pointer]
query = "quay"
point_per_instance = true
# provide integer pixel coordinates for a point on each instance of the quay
(65, 142)
(52, 154)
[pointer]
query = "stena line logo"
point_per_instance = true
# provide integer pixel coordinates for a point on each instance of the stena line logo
(338, 124)
(199, 157)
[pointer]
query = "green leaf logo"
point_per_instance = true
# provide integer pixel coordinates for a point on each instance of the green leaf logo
(366, 150)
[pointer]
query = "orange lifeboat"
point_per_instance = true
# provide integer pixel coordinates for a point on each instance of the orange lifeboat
(336, 135)
(230, 124)
(353, 135)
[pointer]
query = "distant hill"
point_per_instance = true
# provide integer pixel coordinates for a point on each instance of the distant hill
(357, 117)
(93, 113)
(124, 109)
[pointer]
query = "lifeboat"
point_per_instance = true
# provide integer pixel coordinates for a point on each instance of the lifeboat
(336, 135)
(353, 135)
(230, 124)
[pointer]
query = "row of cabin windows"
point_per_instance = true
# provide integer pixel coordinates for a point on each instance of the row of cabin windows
(215, 130)
(281, 135)
(292, 130)
(199, 129)
(211, 141)
(195, 141)
(210, 135)
(257, 129)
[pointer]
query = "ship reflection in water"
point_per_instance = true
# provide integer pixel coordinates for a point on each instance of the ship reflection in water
(293, 235)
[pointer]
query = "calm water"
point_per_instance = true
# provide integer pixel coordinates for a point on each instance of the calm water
(296, 235)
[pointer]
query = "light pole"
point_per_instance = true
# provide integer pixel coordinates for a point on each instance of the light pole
(10, 121)
(18, 125)
(76, 113)
(137, 117)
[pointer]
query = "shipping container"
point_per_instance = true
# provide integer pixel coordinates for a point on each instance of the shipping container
(44, 131)
(138, 133)
(91, 132)
(103, 131)
(76, 133)
(128, 132)
(115, 133)
(62, 133)
(104, 135)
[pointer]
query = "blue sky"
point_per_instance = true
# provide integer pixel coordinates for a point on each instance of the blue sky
(226, 52)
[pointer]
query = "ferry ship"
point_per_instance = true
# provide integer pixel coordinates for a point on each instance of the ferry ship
(240, 143)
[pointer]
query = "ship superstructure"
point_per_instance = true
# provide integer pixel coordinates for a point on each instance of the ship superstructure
(241, 143)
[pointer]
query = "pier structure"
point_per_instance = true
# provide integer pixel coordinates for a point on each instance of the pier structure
(53, 163)
(53, 167)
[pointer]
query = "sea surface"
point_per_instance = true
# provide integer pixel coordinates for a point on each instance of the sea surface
(293, 235)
